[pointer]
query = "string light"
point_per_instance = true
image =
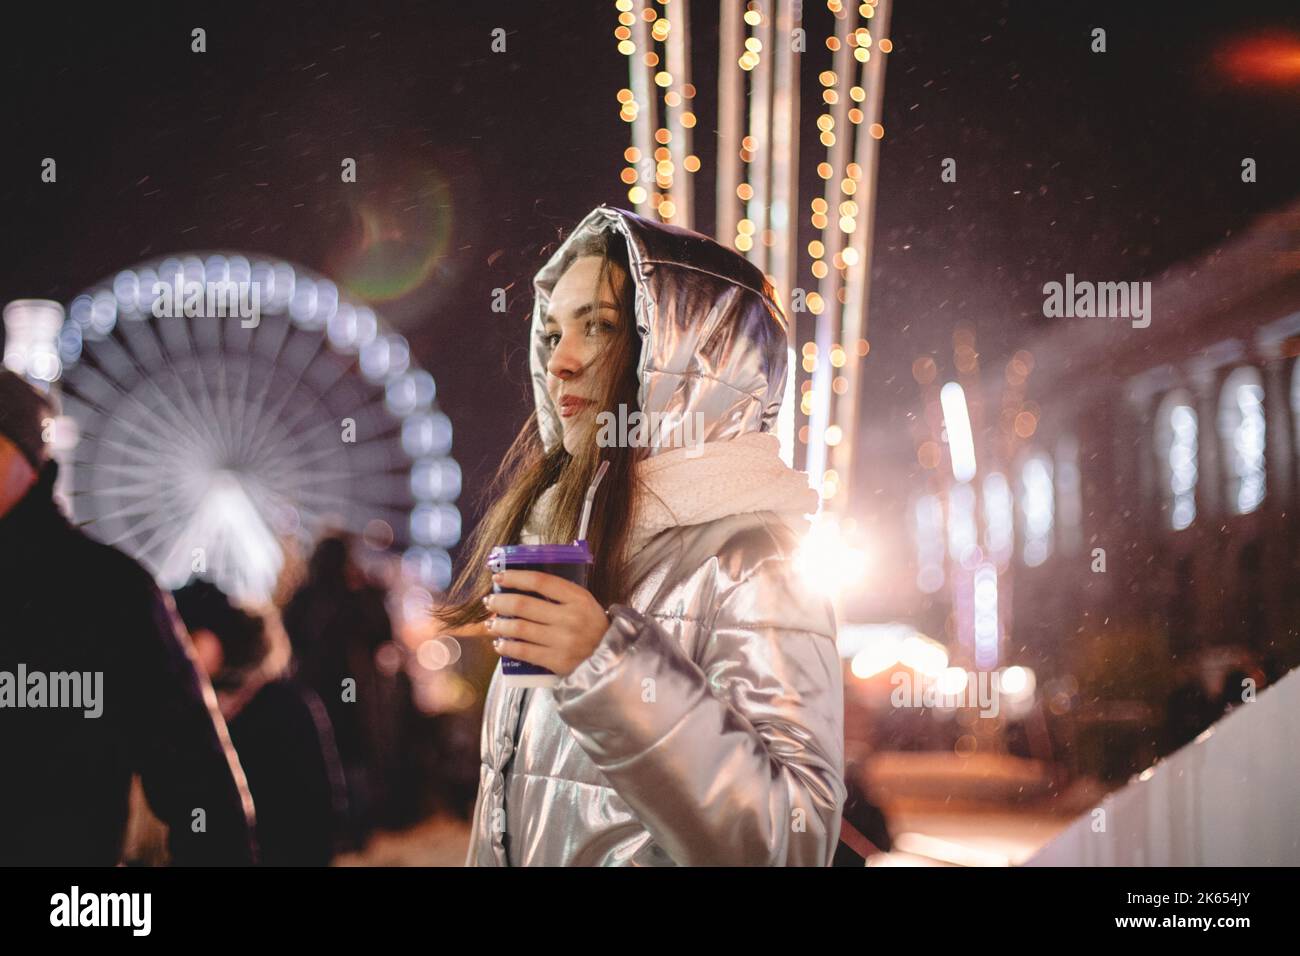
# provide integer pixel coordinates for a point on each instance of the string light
(757, 210)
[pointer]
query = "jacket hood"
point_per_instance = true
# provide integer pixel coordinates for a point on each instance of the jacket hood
(713, 341)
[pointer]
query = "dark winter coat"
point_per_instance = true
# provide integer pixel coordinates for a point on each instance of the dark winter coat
(69, 604)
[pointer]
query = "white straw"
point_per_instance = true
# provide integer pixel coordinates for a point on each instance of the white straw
(591, 497)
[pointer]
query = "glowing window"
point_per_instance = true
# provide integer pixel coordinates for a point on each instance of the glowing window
(1241, 428)
(999, 526)
(1036, 509)
(1069, 498)
(1176, 443)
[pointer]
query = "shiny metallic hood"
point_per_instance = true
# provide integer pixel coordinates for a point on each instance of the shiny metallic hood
(713, 342)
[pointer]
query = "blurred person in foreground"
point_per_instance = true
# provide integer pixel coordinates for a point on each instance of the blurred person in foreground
(280, 728)
(75, 611)
(336, 622)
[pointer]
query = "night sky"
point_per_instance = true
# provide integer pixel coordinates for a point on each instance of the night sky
(472, 164)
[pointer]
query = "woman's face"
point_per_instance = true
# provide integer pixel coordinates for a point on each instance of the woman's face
(581, 322)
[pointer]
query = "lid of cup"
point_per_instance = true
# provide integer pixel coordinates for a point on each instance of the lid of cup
(576, 553)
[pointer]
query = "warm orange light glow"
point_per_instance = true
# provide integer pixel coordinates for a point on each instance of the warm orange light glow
(1271, 59)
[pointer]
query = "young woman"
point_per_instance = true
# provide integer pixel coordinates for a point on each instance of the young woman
(699, 715)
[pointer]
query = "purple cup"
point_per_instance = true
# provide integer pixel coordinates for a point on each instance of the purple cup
(568, 561)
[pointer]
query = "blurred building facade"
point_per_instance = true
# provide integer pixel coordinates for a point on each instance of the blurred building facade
(1132, 512)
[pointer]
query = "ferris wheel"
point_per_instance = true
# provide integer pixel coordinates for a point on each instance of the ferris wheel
(208, 438)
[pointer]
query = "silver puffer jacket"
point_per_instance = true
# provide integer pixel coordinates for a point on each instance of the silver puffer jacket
(707, 726)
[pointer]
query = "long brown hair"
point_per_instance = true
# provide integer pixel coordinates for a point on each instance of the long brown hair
(528, 468)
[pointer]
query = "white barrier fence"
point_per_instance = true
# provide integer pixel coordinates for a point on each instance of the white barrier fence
(1231, 798)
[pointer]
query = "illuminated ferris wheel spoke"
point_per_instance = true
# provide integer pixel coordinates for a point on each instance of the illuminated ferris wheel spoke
(229, 418)
(147, 457)
(332, 428)
(158, 515)
(163, 438)
(241, 439)
(244, 405)
(140, 491)
(205, 397)
(267, 420)
(190, 418)
(149, 438)
(178, 428)
(187, 418)
(305, 473)
(118, 356)
(307, 411)
(222, 405)
(269, 365)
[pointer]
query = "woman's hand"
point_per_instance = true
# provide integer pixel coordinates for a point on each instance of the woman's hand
(558, 636)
